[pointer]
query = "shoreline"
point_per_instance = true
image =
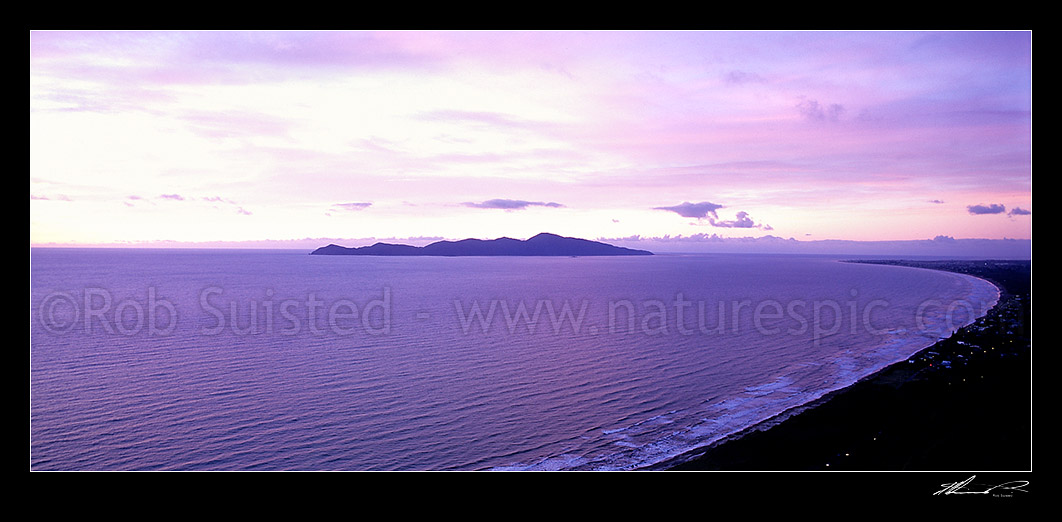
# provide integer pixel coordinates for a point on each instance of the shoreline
(926, 412)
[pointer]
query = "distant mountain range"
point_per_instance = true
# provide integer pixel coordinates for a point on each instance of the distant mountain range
(541, 245)
(939, 247)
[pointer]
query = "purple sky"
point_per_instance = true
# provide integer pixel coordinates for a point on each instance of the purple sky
(193, 137)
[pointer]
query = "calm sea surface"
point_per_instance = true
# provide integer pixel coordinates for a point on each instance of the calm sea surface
(276, 360)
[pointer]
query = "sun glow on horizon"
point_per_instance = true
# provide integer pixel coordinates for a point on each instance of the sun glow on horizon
(193, 137)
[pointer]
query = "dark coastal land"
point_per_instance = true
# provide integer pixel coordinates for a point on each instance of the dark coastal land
(543, 244)
(963, 404)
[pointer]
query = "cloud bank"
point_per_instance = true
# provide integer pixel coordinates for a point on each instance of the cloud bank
(940, 247)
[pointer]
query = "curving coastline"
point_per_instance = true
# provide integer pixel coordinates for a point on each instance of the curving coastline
(915, 414)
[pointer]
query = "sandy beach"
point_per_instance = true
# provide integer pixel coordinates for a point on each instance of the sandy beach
(962, 404)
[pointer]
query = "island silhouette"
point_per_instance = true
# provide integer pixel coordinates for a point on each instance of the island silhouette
(543, 244)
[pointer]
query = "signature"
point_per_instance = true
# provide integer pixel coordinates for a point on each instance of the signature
(959, 488)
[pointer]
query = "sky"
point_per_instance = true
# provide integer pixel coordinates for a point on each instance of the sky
(173, 137)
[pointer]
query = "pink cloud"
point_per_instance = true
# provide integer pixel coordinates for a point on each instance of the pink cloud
(810, 123)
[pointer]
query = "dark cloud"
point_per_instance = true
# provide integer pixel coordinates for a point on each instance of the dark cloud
(1019, 212)
(812, 110)
(706, 211)
(511, 204)
(175, 197)
(937, 201)
(990, 209)
(694, 210)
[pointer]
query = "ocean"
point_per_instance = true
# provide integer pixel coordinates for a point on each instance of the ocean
(144, 359)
